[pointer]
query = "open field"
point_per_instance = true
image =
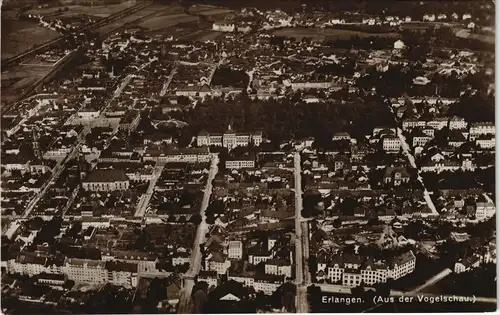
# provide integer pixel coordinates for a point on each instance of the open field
(17, 78)
(202, 35)
(322, 34)
(208, 10)
(163, 21)
(19, 36)
(142, 16)
(465, 33)
(73, 10)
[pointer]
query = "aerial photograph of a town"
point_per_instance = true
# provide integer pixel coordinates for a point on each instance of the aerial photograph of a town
(247, 156)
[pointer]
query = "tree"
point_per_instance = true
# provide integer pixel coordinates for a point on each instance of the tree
(68, 284)
(196, 219)
(337, 223)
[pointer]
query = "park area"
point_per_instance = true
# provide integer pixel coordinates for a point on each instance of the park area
(321, 34)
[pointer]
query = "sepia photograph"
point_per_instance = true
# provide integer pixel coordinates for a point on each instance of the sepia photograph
(247, 156)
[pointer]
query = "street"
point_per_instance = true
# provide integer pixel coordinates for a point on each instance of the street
(56, 171)
(302, 279)
(196, 256)
(144, 202)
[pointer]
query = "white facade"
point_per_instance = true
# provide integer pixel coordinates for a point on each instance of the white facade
(487, 143)
(391, 144)
(235, 250)
(399, 44)
(438, 123)
(413, 123)
(237, 164)
(273, 268)
(457, 123)
(485, 210)
(478, 129)
(223, 27)
(229, 140)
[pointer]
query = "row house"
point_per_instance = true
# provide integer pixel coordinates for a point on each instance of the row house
(481, 128)
(186, 155)
(239, 163)
(438, 123)
(485, 142)
(268, 283)
(145, 262)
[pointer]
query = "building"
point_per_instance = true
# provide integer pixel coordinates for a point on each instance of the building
(268, 283)
(438, 123)
(486, 142)
(235, 250)
(396, 176)
(218, 262)
(399, 44)
(88, 114)
(181, 258)
(122, 274)
(351, 271)
(481, 128)
(421, 139)
(51, 279)
(106, 180)
(210, 277)
(457, 123)
(130, 121)
(223, 26)
(85, 270)
(403, 265)
(229, 139)
(485, 210)
(341, 136)
(278, 267)
(166, 154)
(309, 85)
(391, 144)
(429, 18)
(466, 264)
(242, 162)
(413, 123)
(145, 262)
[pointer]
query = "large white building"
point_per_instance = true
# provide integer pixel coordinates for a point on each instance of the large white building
(482, 128)
(235, 250)
(351, 271)
(106, 180)
(169, 154)
(391, 144)
(278, 267)
(229, 139)
(223, 26)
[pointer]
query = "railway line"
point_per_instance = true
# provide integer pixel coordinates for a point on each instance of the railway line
(42, 48)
